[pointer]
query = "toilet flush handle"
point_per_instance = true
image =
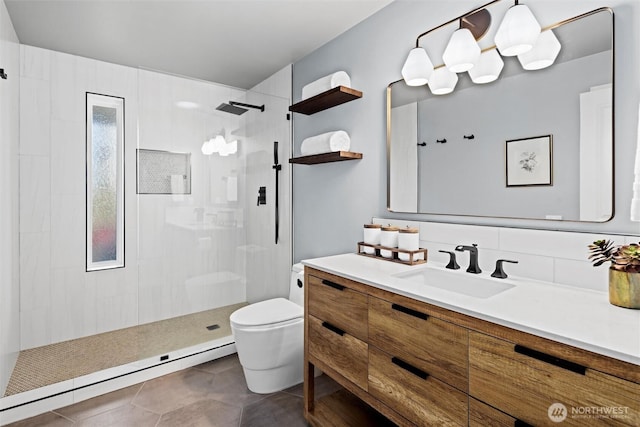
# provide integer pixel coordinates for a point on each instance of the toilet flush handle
(299, 283)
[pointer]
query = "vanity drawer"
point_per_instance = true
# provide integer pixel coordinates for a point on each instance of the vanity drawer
(332, 300)
(525, 383)
(482, 415)
(413, 393)
(433, 345)
(344, 353)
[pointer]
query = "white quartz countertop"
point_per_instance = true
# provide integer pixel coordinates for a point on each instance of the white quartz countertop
(578, 317)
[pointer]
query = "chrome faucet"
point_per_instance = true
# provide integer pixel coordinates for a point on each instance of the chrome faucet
(473, 257)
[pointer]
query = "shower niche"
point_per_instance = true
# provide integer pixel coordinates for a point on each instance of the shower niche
(163, 172)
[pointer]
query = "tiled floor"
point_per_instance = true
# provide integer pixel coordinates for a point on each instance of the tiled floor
(211, 394)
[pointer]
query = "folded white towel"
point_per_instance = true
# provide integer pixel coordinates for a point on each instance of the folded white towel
(178, 184)
(178, 187)
(339, 78)
(326, 143)
(232, 189)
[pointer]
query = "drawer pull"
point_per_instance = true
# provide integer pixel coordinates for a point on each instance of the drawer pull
(410, 311)
(556, 361)
(407, 367)
(332, 328)
(333, 285)
(520, 423)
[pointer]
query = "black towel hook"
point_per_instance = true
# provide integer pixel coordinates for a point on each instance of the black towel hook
(3, 74)
(472, 136)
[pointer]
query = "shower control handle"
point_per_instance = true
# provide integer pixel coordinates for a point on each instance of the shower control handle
(262, 196)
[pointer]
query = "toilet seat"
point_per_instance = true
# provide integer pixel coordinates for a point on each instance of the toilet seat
(269, 313)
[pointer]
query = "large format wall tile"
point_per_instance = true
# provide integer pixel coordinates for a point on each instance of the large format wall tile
(35, 266)
(35, 63)
(35, 111)
(35, 327)
(68, 232)
(35, 194)
(68, 158)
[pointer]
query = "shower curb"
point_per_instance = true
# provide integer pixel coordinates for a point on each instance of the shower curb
(35, 402)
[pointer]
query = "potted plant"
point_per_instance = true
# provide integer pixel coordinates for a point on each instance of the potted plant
(624, 272)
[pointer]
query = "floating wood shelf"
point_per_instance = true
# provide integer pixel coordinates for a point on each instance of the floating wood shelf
(322, 101)
(335, 156)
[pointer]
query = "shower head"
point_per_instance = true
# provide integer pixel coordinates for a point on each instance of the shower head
(236, 108)
(228, 108)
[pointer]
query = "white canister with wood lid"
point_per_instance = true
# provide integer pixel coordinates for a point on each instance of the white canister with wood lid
(389, 239)
(409, 240)
(371, 237)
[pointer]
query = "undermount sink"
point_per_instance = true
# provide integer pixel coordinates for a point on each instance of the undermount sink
(457, 281)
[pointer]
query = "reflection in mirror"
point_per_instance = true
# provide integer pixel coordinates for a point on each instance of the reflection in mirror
(570, 101)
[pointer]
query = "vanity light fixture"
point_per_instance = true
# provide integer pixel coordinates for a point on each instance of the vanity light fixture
(229, 148)
(442, 81)
(417, 68)
(543, 54)
(218, 143)
(488, 67)
(462, 51)
(213, 145)
(207, 147)
(517, 35)
(518, 31)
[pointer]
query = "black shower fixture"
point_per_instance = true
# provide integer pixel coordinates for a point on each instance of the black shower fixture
(238, 108)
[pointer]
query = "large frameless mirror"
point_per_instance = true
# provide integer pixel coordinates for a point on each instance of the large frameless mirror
(533, 144)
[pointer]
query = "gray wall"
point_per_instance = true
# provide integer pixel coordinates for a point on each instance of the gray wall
(332, 201)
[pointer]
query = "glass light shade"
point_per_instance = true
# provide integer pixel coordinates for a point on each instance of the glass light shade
(543, 54)
(518, 31)
(417, 68)
(218, 143)
(229, 148)
(462, 51)
(208, 147)
(442, 81)
(488, 67)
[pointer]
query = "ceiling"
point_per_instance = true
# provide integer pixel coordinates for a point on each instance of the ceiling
(234, 42)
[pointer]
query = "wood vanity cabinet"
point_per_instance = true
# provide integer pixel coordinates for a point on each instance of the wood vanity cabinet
(530, 381)
(422, 365)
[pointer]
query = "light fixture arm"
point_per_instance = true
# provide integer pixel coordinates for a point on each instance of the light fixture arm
(459, 18)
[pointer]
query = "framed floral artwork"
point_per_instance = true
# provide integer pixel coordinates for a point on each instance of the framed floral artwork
(529, 161)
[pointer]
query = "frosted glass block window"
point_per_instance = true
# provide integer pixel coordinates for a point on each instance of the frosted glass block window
(105, 182)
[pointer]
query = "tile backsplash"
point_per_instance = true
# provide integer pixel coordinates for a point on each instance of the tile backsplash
(552, 256)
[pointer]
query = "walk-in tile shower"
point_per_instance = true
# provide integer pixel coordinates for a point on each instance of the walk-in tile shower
(194, 237)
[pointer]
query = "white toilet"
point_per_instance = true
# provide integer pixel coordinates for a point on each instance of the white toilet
(269, 338)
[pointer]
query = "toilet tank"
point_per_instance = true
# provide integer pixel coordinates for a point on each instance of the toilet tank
(296, 288)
